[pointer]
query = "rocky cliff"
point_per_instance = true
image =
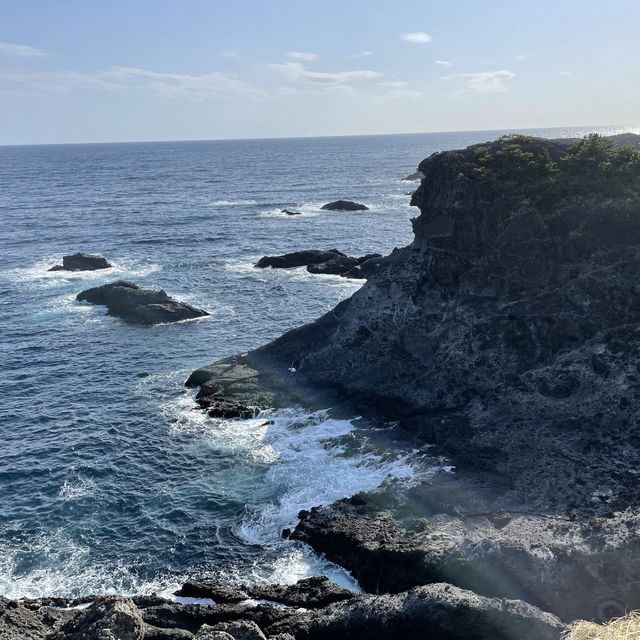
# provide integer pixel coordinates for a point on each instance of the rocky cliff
(506, 337)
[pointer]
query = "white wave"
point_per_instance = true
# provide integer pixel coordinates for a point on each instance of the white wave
(38, 275)
(230, 203)
(61, 567)
(73, 488)
(309, 466)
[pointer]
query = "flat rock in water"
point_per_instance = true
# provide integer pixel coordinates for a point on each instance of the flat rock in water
(291, 213)
(344, 205)
(298, 259)
(130, 302)
(82, 262)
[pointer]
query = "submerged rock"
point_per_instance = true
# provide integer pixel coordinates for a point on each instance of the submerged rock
(130, 302)
(82, 262)
(289, 212)
(344, 205)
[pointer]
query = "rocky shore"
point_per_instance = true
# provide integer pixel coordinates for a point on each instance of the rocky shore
(506, 339)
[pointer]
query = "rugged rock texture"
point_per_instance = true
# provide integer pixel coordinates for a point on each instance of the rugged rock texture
(507, 335)
(130, 302)
(413, 177)
(82, 262)
(344, 205)
(331, 262)
(314, 608)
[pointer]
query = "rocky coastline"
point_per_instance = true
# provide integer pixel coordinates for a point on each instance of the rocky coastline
(505, 339)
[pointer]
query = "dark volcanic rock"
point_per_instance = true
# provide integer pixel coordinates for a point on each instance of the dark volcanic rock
(298, 259)
(130, 302)
(331, 262)
(344, 205)
(291, 213)
(413, 177)
(433, 611)
(507, 335)
(82, 262)
(337, 265)
(19, 623)
(218, 406)
(310, 593)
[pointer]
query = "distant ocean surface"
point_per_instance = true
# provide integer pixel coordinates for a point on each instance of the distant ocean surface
(109, 480)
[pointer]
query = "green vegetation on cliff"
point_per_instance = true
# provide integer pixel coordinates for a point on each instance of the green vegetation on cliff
(593, 165)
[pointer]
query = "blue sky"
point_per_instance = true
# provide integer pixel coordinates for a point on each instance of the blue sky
(79, 71)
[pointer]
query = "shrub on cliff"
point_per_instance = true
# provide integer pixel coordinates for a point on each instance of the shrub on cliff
(592, 165)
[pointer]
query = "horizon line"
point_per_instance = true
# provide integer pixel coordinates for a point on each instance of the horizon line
(311, 137)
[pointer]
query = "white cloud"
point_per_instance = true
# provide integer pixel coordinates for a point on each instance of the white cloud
(231, 53)
(524, 56)
(194, 88)
(485, 82)
(296, 72)
(394, 84)
(302, 55)
(559, 73)
(417, 37)
(443, 63)
(361, 54)
(21, 50)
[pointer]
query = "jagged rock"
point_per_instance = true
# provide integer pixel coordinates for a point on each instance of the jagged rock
(218, 406)
(209, 633)
(310, 593)
(19, 623)
(291, 213)
(338, 265)
(241, 630)
(413, 177)
(344, 205)
(216, 591)
(130, 302)
(298, 259)
(82, 262)
(433, 611)
(108, 618)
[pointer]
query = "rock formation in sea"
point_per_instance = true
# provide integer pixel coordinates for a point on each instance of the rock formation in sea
(134, 304)
(344, 205)
(330, 261)
(82, 262)
(506, 338)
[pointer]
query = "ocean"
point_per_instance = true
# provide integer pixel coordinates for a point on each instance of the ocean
(110, 482)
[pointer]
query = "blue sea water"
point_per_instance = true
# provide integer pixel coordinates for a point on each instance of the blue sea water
(109, 480)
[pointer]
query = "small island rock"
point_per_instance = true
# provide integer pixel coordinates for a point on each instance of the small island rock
(82, 262)
(344, 205)
(130, 302)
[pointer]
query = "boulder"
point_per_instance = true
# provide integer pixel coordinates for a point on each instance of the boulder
(298, 259)
(19, 623)
(310, 593)
(130, 302)
(218, 406)
(240, 630)
(216, 591)
(289, 212)
(82, 262)
(344, 205)
(108, 618)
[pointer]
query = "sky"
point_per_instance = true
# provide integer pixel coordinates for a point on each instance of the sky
(84, 71)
